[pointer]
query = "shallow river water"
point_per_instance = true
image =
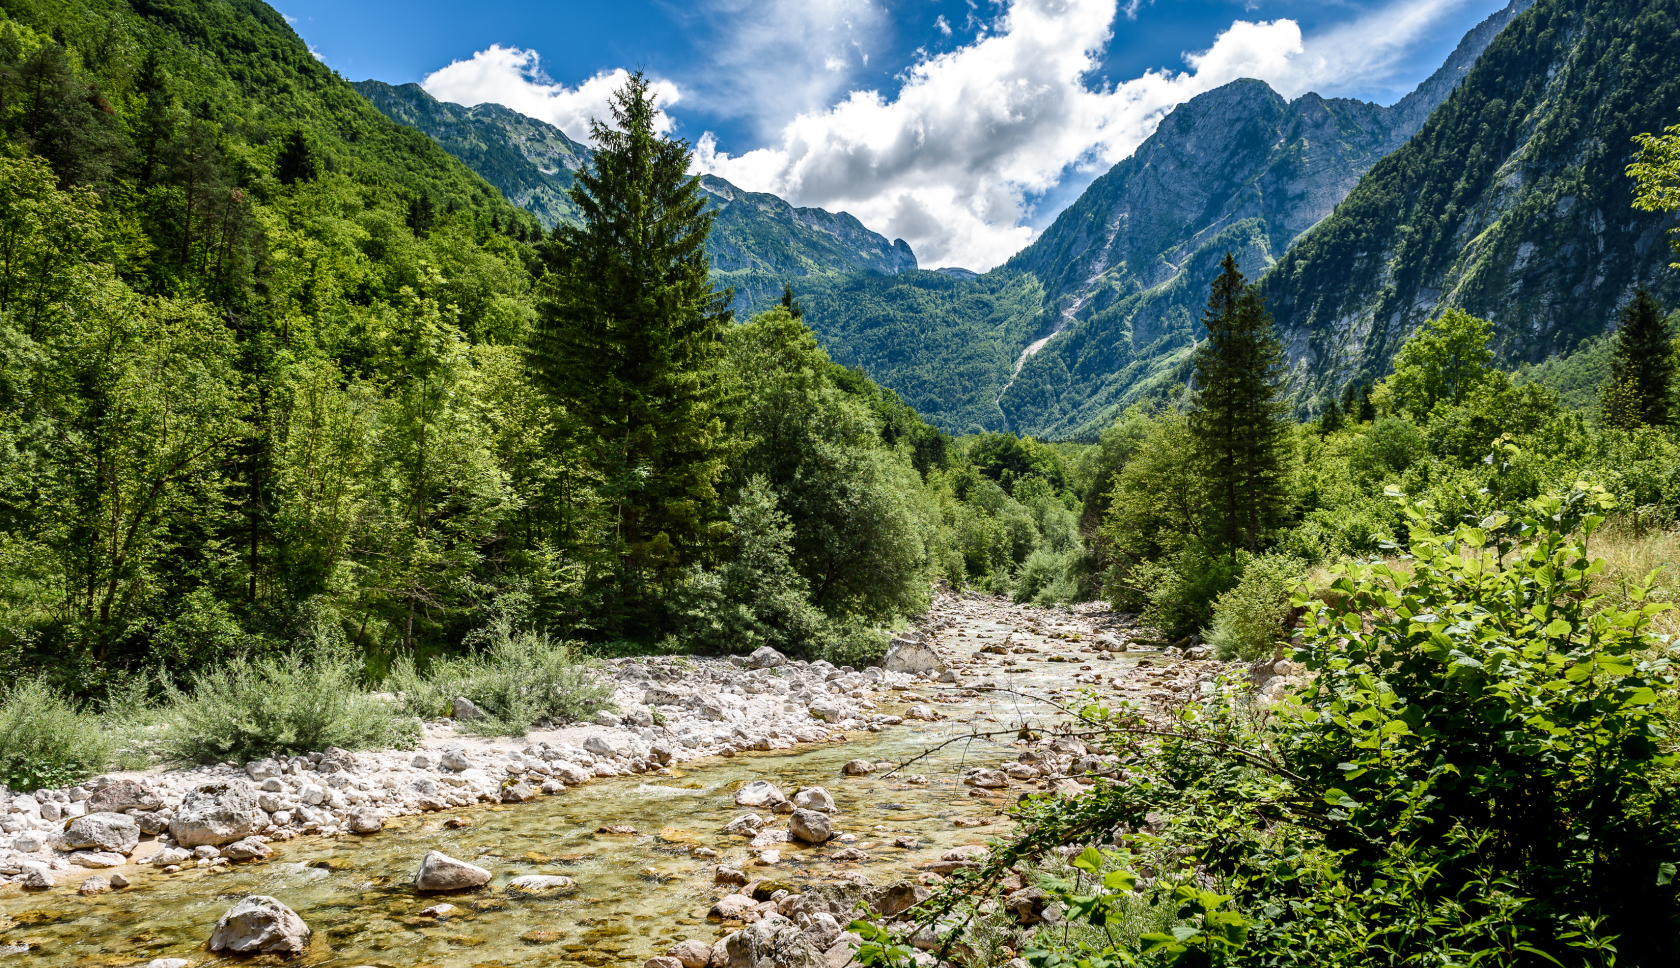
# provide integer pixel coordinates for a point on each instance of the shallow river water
(636, 895)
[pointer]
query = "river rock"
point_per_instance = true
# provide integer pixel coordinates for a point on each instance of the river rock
(457, 760)
(610, 747)
(814, 798)
(103, 831)
(759, 793)
(541, 882)
(662, 961)
(366, 820)
(167, 963)
(900, 897)
(217, 813)
(765, 657)
(260, 925)
(746, 823)
(36, 877)
(849, 854)
(465, 710)
(569, 773)
(987, 780)
(912, 656)
(773, 942)
(440, 872)
(94, 885)
(248, 849)
(823, 931)
(732, 906)
(1032, 906)
(690, 953)
(120, 795)
(170, 855)
(97, 859)
(730, 875)
(858, 768)
(520, 792)
(921, 712)
(811, 826)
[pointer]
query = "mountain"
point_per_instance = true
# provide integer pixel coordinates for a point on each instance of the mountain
(1239, 168)
(531, 162)
(1512, 202)
(758, 243)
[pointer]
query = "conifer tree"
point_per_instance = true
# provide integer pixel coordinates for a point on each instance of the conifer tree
(1330, 419)
(1641, 367)
(629, 342)
(1240, 425)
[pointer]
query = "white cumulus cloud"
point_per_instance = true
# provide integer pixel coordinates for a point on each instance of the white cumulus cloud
(953, 162)
(514, 79)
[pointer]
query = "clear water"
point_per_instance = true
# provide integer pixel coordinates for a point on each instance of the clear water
(636, 895)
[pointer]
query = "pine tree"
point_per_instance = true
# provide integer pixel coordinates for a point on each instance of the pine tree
(1330, 419)
(1240, 425)
(629, 343)
(1641, 367)
(791, 304)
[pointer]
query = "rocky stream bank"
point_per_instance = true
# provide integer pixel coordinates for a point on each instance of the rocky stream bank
(741, 806)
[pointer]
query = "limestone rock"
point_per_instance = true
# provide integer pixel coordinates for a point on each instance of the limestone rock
(858, 768)
(912, 656)
(465, 710)
(690, 953)
(248, 849)
(37, 877)
(814, 798)
(810, 826)
(774, 942)
(103, 831)
(217, 813)
(120, 795)
(759, 793)
(94, 885)
(531, 883)
(260, 925)
(732, 906)
(97, 858)
(366, 820)
(440, 872)
(765, 657)
(988, 780)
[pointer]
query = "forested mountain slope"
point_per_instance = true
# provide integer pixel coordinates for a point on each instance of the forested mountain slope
(758, 243)
(1238, 168)
(1512, 203)
(531, 162)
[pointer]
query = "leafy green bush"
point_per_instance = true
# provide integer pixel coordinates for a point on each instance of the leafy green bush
(47, 740)
(292, 703)
(1047, 577)
(1179, 593)
(1387, 450)
(522, 679)
(1478, 773)
(1248, 620)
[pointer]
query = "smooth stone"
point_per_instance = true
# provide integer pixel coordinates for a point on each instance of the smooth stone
(541, 882)
(260, 925)
(440, 872)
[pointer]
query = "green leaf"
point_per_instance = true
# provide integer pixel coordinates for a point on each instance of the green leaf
(1089, 860)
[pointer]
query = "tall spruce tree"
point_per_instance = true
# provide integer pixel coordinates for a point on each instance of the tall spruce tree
(1240, 423)
(629, 343)
(1641, 367)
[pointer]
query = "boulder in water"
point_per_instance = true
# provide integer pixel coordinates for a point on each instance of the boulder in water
(260, 925)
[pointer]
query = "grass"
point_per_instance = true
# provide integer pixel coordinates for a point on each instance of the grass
(521, 679)
(291, 704)
(1631, 554)
(47, 740)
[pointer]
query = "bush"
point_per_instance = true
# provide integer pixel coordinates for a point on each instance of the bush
(1047, 577)
(294, 703)
(1249, 620)
(1179, 593)
(47, 740)
(522, 679)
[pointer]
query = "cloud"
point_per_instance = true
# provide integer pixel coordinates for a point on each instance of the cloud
(514, 79)
(769, 60)
(953, 163)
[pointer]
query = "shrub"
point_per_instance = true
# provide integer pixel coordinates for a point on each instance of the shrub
(1249, 620)
(1047, 577)
(47, 740)
(1179, 593)
(295, 703)
(522, 679)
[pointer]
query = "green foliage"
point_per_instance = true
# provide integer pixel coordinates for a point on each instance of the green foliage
(1443, 362)
(1657, 172)
(628, 343)
(306, 700)
(1249, 620)
(1478, 773)
(1177, 593)
(1641, 385)
(47, 740)
(1240, 425)
(520, 679)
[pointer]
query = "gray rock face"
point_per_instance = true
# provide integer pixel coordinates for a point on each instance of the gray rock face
(759, 793)
(765, 657)
(120, 795)
(103, 831)
(912, 656)
(532, 883)
(440, 872)
(774, 942)
(465, 710)
(810, 826)
(248, 849)
(260, 925)
(823, 931)
(366, 820)
(814, 798)
(217, 813)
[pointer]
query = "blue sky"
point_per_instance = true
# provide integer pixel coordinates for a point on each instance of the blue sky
(962, 127)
